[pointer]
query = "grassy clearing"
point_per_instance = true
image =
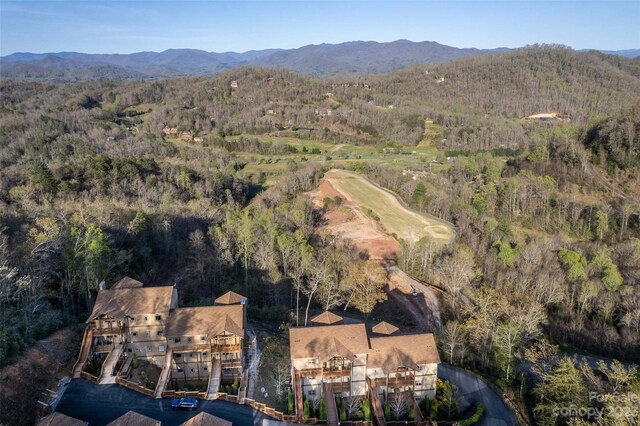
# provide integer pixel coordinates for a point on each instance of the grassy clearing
(396, 218)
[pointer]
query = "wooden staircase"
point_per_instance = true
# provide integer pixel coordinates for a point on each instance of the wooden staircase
(298, 395)
(214, 379)
(106, 376)
(330, 404)
(84, 353)
(164, 376)
(378, 412)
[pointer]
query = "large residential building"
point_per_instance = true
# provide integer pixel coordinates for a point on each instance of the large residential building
(201, 344)
(346, 360)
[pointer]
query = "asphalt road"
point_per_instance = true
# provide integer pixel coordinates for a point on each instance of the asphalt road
(101, 404)
(471, 389)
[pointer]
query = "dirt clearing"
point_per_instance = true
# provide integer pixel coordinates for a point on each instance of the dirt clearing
(385, 206)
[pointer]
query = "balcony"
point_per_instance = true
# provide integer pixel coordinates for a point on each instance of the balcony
(111, 330)
(328, 373)
(396, 382)
(104, 347)
(227, 348)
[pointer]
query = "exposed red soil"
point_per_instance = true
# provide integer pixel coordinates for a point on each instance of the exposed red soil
(39, 368)
(351, 225)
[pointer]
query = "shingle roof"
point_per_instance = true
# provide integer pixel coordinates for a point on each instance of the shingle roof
(326, 318)
(409, 350)
(127, 282)
(121, 302)
(230, 298)
(384, 328)
(59, 419)
(206, 419)
(326, 342)
(206, 321)
(131, 418)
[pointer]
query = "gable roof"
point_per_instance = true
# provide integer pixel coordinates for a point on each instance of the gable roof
(409, 350)
(206, 419)
(59, 419)
(206, 321)
(131, 418)
(326, 318)
(326, 342)
(384, 328)
(230, 298)
(121, 302)
(127, 282)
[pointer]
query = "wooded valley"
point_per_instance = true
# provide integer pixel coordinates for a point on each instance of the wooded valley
(200, 182)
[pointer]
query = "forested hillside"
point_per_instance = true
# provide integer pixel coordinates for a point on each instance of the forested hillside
(195, 182)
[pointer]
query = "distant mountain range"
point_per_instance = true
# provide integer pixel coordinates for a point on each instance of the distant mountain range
(358, 57)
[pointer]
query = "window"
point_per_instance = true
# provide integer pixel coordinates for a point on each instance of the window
(311, 392)
(203, 338)
(177, 340)
(129, 349)
(190, 355)
(147, 333)
(161, 348)
(189, 339)
(178, 355)
(179, 370)
(204, 354)
(192, 370)
(204, 368)
(149, 348)
(158, 317)
(145, 318)
(134, 334)
(159, 333)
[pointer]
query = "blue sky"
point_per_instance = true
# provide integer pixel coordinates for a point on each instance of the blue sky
(132, 26)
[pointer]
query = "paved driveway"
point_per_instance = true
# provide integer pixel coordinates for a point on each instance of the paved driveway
(474, 389)
(101, 404)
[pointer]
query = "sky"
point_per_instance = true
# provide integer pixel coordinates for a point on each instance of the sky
(93, 26)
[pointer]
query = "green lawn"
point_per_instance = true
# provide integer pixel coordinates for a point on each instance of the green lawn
(396, 218)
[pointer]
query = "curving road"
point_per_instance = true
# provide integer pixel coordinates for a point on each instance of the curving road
(472, 388)
(101, 404)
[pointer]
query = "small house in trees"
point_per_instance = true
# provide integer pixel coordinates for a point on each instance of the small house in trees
(547, 116)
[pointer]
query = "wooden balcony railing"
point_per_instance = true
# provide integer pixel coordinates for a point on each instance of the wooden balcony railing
(103, 348)
(396, 382)
(227, 348)
(325, 372)
(107, 330)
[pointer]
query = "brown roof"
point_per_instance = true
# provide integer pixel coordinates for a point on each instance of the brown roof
(326, 342)
(391, 352)
(127, 282)
(132, 418)
(230, 298)
(121, 302)
(326, 318)
(59, 419)
(206, 419)
(384, 328)
(206, 321)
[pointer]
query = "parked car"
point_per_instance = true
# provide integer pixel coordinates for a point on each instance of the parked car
(184, 404)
